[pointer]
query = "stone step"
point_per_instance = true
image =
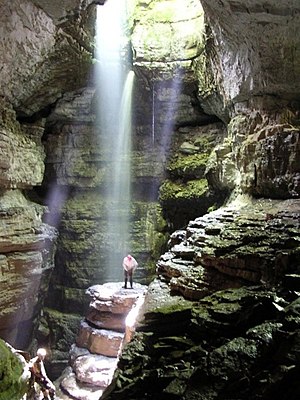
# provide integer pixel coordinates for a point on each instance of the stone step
(99, 341)
(106, 320)
(95, 369)
(113, 298)
(102, 334)
(70, 386)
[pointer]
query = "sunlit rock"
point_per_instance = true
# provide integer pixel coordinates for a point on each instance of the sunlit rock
(99, 341)
(95, 369)
(21, 150)
(94, 357)
(111, 297)
(162, 33)
(77, 391)
(27, 249)
(106, 320)
(98, 333)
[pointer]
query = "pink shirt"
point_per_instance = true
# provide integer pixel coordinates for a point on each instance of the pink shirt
(129, 263)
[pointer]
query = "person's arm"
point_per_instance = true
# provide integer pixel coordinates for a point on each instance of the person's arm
(43, 371)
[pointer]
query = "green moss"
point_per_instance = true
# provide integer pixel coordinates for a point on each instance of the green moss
(212, 208)
(76, 246)
(156, 12)
(192, 165)
(87, 205)
(64, 327)
(193, 189)
(167, 13)
(205, 143)
(172, 308)
(12, 384)
(206, 82)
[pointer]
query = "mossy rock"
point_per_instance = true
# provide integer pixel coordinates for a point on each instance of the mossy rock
(185, 201)
(63, 327)
(84, 205)
(193, 189)
(14, 380)
(188, 166)
(205, 142)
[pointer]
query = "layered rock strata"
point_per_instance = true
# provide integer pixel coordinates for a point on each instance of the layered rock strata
(107, 327)
(76, 179)
(187, 191)
(246, 74)
(221, 321)
(251, 56)
(48, 49)
(26, 242)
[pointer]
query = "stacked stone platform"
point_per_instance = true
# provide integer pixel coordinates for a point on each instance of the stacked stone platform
(102, 334)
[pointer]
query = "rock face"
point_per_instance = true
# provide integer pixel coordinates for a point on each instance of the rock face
(26, 263)
(186, 193)
(22, 153)
(216, 109)
(33, 76)
(50, 52)
(26, 244)
(243, 50)
(221, 320)
(253, 46)
(77, 175)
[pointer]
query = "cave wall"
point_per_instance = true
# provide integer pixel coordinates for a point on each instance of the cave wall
(27, 244)
(253, 53)
(201, 335)
(38, 54)
(232, 127)
(77, 167)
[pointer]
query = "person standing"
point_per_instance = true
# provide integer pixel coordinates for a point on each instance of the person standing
(129, 265)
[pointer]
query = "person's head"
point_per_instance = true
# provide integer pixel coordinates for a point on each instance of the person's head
(129, 257)
(41, 353)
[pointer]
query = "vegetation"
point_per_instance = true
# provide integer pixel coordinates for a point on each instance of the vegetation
(179, 190)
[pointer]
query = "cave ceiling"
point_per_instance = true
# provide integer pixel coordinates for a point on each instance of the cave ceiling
(47, 49)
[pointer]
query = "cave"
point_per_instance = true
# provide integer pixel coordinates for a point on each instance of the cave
(167, 129)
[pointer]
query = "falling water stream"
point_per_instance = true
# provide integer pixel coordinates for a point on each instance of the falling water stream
(114, 85)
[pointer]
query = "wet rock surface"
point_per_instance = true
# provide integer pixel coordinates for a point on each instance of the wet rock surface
(231, 334)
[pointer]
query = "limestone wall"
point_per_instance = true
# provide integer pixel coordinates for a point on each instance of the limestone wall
(216, 114)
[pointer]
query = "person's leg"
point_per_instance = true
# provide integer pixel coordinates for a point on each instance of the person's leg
(45, 394)
(130, 279)
(125, 279)
(51, 390)
(45, 389)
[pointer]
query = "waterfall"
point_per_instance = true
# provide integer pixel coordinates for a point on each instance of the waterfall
(114, 86)
(119, 192)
